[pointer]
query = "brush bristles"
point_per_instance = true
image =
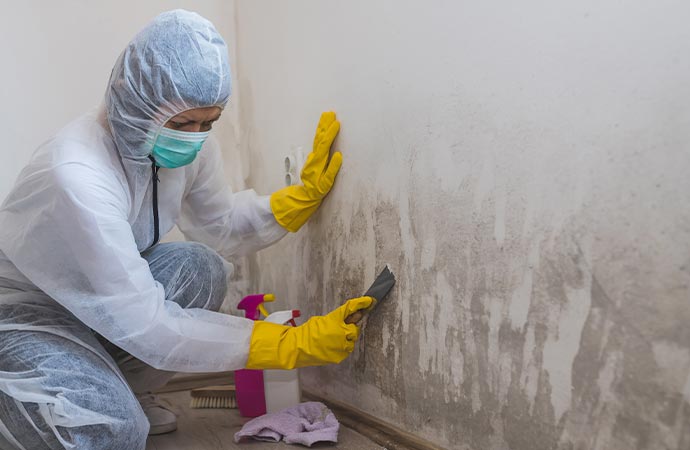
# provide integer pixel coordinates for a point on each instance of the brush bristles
(213, 402)
(214, 397)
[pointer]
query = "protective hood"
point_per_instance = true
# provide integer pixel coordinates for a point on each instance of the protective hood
(178, 62)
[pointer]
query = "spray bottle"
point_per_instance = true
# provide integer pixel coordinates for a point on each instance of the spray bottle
(281, 387)
(249, 384)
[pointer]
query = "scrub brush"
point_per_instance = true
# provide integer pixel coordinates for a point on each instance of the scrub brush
(214, 397)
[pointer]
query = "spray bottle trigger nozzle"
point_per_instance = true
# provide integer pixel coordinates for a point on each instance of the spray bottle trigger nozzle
(295, 314)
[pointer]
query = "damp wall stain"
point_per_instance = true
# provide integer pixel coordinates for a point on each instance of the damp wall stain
(533, 206)
(488, 345)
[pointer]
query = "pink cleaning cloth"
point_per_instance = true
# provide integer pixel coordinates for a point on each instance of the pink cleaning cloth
(304, 424)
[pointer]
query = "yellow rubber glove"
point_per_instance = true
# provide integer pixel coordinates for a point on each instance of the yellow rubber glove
(293, 205)
(321, 340)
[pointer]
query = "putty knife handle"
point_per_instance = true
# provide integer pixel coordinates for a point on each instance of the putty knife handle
(355, 317)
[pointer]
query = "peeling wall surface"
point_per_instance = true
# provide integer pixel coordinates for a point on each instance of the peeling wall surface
(524, 169)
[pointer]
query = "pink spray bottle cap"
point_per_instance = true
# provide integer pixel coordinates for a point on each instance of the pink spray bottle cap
(254, 304)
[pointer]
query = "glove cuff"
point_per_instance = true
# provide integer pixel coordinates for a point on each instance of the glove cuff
(292, 207)
(264, 347)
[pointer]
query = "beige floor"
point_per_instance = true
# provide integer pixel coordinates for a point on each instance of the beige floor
(214, 429)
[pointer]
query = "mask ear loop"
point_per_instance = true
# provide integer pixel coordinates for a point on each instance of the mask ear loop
(154, 138)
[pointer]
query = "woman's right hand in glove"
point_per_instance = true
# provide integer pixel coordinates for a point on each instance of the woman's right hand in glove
(319, 341)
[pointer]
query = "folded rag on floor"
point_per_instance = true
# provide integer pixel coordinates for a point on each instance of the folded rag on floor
(304, 424)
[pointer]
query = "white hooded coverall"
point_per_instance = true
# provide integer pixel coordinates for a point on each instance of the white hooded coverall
(74, 226)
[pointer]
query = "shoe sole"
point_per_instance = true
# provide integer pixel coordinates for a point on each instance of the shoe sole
(162, 429)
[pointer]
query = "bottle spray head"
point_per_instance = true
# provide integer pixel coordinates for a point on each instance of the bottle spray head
(252, 305)
(267, 298)
(295, 314)
(284, 317)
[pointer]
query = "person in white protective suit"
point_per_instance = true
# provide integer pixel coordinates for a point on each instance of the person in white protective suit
(94, 312)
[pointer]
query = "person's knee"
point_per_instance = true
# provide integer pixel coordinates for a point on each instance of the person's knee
(193, 275)
(211, 274)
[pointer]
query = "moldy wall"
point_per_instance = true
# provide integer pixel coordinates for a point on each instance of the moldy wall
(523, 169)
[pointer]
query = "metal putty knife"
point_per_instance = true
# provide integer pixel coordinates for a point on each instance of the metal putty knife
(379, 290)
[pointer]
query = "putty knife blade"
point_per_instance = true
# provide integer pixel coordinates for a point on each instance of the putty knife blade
(379, 290)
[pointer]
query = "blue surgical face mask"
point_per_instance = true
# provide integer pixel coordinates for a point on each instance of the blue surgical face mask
(177, 148)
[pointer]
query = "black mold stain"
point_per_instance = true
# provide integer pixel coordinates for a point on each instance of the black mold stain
(637, 404)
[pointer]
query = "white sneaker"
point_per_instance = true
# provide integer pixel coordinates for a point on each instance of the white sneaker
(161, 419)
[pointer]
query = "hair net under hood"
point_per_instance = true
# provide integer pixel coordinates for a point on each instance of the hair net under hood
(177, 63)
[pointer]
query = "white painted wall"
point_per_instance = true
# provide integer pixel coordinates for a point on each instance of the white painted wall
(57, 58)
(523, 167)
